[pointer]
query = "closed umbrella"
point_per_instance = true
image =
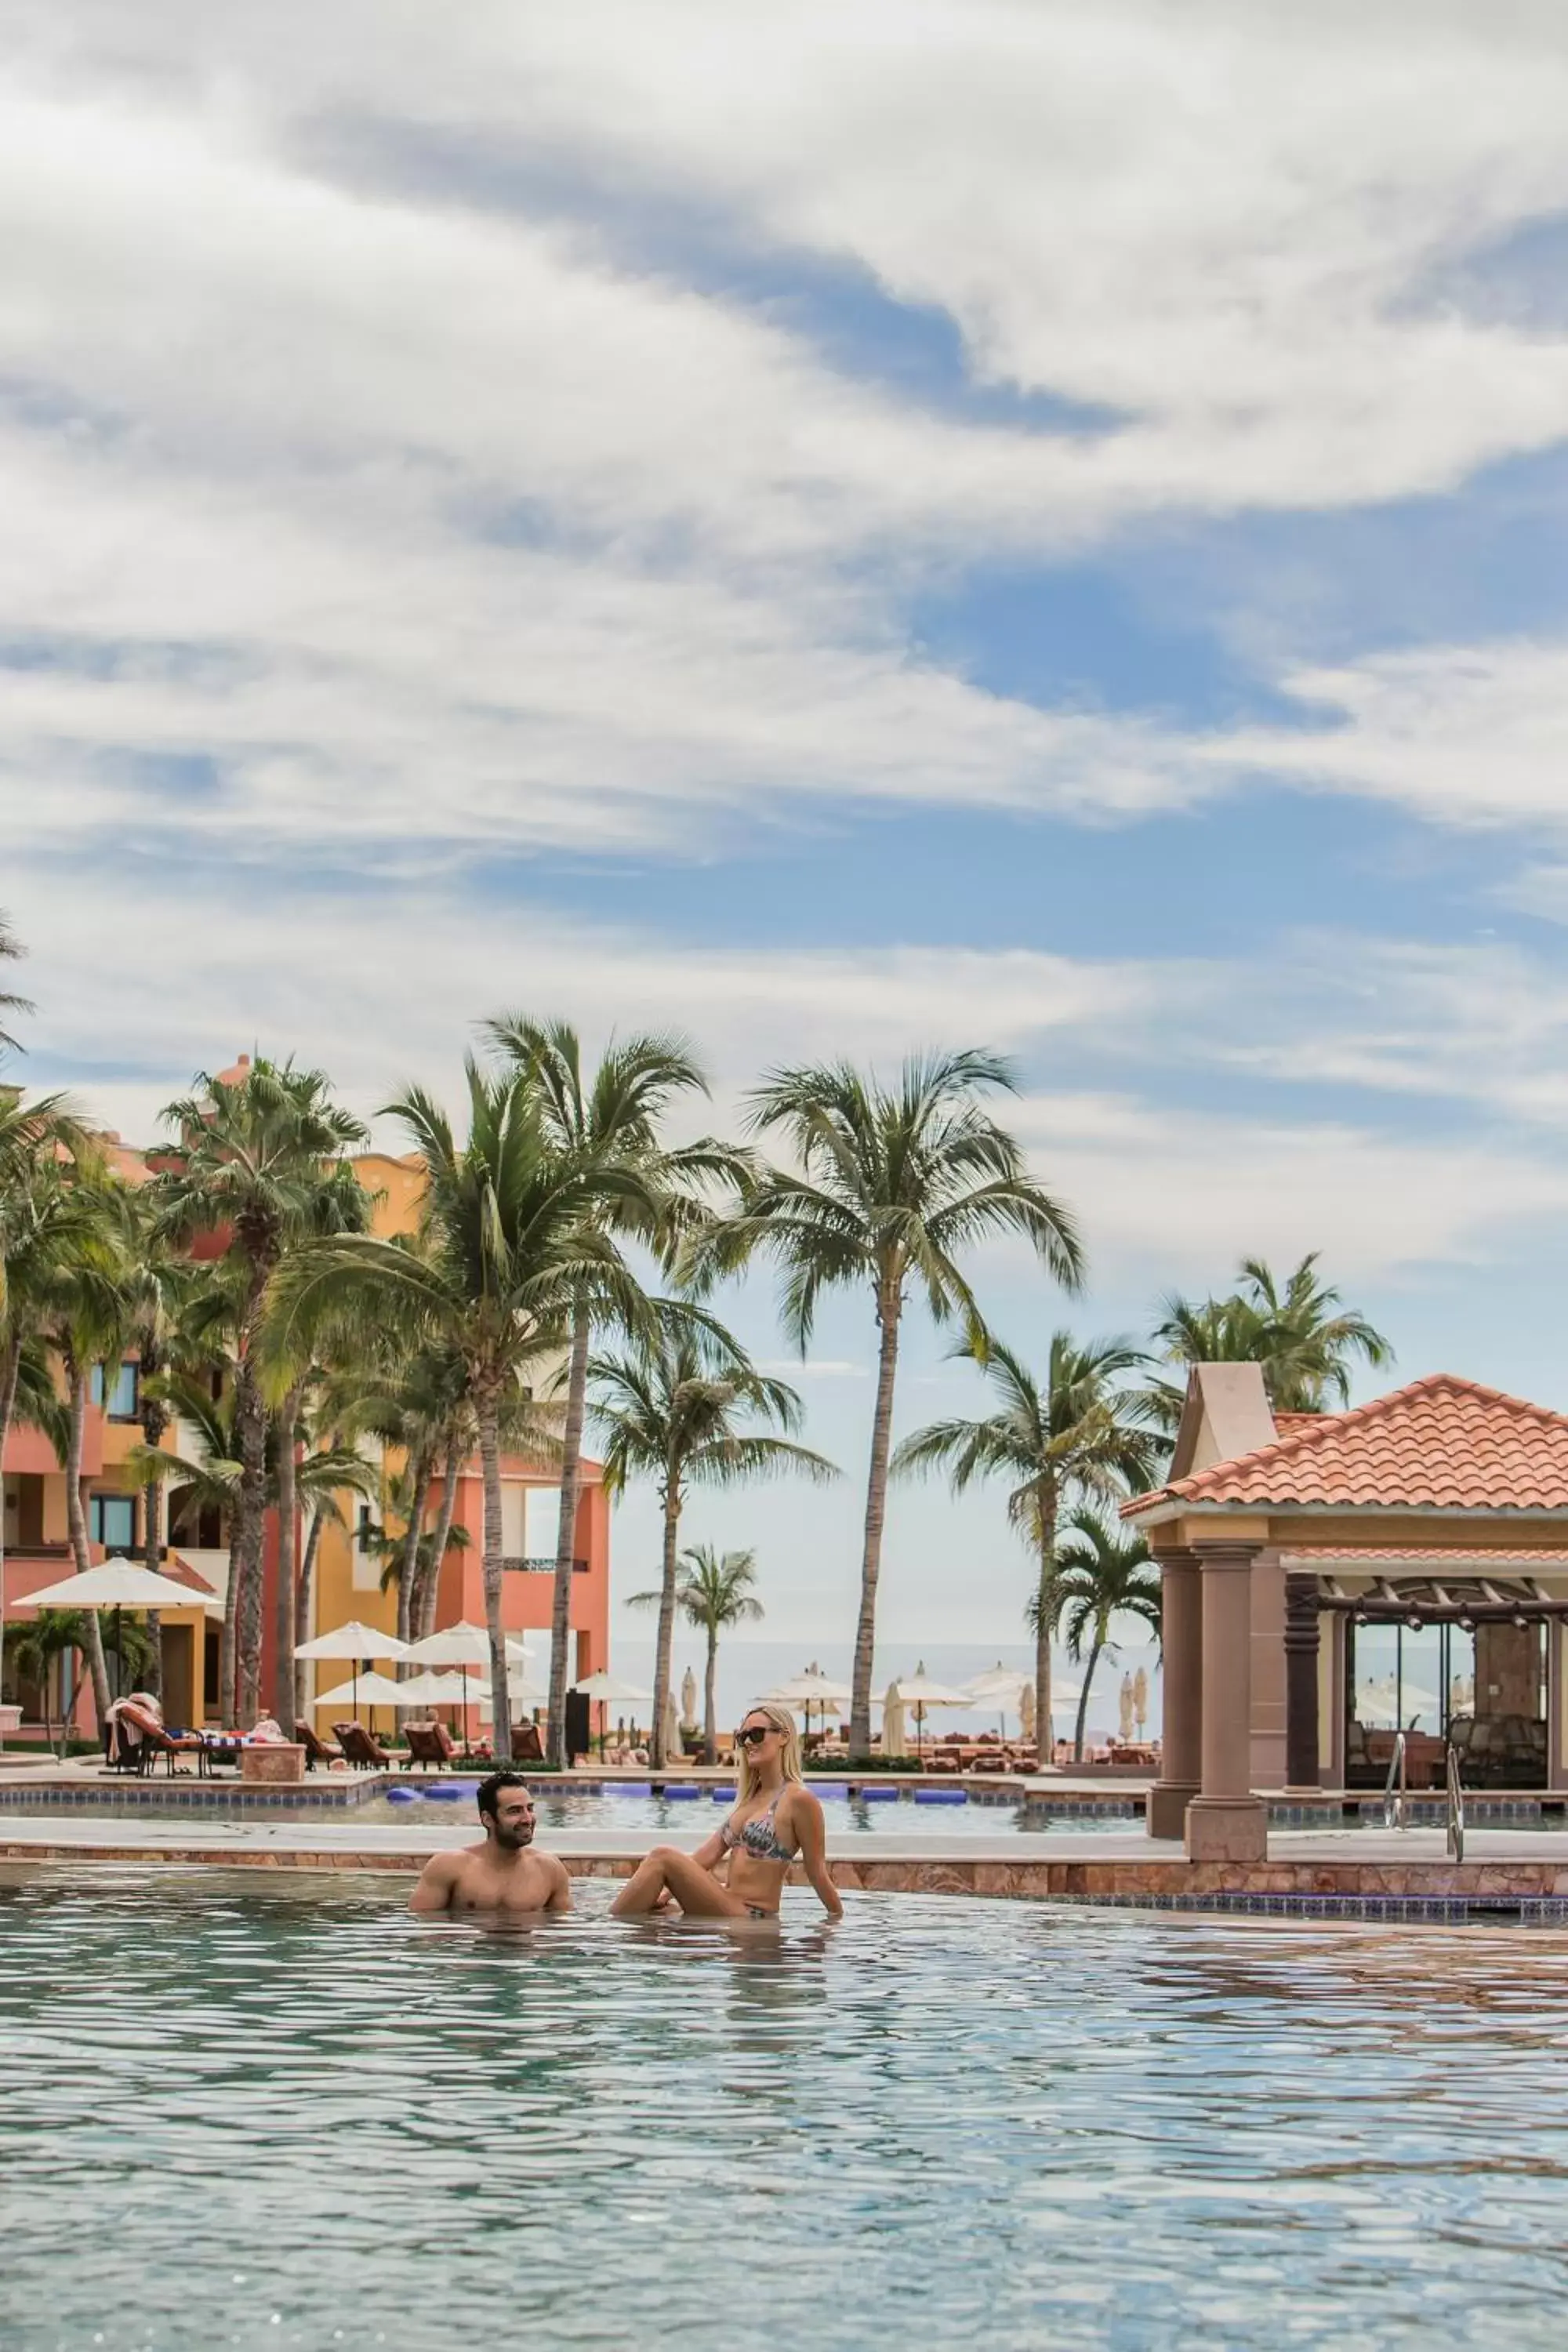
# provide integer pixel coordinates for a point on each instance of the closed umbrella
(1140, 1700)
(1124, 1711)
(895, 1738)
(1027, 1712)
(672, 1740)
(689, 1697)
(347, 1645)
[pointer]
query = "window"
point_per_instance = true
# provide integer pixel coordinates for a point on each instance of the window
(121, 1393)
(112, 1520)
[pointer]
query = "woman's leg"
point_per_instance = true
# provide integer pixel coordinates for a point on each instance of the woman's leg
(696, 1891)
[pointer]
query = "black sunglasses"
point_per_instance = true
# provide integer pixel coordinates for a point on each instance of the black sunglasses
(754, 1733)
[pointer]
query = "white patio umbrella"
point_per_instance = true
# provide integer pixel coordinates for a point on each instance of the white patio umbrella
(813, 1688)
(689, 1697)
(609, 1687)
(1001, 1688)
(376, 1690)
(118, 1583)
(430, 1689)
(920, 1691)
(519, 1688)
(347, 1645)
(464, 1645)
(672, 1739)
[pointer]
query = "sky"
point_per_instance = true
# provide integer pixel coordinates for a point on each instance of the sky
(838, 530)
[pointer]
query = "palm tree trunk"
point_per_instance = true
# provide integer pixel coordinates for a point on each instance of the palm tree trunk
(566, 1533)
(283, 1675)
(710, 1699)
(10, 1372)
(302, 1606)
(489, 1468)
(408, 1564)
(876, 1513)
(154, 1421)
(1097, 1646)
(430, 1583)
(251, 1418)
(665, 1639)
(1044, 1628)
(75, 1513)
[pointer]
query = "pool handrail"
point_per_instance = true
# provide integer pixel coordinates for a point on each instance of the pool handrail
(1393, 1805)
(1455, 1791)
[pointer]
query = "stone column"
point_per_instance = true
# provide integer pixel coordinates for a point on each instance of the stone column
(1225, 1822)
(1303, 1768)
(1181, 1644)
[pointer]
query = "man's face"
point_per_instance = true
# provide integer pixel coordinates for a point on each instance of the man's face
(512, 1824)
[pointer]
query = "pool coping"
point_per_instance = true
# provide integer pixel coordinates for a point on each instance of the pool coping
(1529, 1890)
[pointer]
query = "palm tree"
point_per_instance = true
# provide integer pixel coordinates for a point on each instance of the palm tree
(11, 951)
(675, 1408)
(713, 1591)
(1079, 1432)
(262, 1169)
(506, 1245)
(1099, 1576)
(613, 1118)
(34, 1648)
(1305, 1338)
(892, 1185)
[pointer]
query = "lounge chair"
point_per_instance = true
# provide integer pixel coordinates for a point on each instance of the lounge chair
(317, 1749)
(527, 1744)
(365, 1754)
(153, 1741)
(429, 1746)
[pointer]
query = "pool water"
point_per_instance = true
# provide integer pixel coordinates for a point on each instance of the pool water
(290, 2115)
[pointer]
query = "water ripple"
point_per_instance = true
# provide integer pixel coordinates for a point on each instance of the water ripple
(243, 2114)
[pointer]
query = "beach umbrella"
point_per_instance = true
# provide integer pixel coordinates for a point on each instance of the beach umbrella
(1140, 1700)
(895, 1738)
(464, 1645)
(376, 1690)
(430, 1689)
(520, 1689)
(1027, 1711)
(813, 1688)
(118, 1583)
(1001, 1688)
(608, 1687)
(921, 1691)
(672, 1740)
(1124, 1711)
(689, 1697)
(347, 1645)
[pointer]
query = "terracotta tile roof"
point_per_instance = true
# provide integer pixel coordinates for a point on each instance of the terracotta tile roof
(1377, 1557)
(1442, 1444)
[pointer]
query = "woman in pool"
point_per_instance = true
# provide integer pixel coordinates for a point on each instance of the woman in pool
(776, 1821)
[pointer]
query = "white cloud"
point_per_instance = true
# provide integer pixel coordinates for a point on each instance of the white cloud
(1184, 1195)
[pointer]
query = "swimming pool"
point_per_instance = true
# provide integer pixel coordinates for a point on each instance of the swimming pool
(449, 1804)
(289, 2115)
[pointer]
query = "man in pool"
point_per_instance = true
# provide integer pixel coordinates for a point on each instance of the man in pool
(506, 1874)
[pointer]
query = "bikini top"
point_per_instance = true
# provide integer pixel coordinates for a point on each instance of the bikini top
(760, 1838)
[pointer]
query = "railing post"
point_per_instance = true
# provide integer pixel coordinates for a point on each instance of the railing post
(1303, 1767)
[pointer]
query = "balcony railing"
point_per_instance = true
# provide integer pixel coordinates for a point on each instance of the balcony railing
(541, 1564)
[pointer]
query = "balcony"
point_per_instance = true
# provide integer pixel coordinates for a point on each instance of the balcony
(516, 1564)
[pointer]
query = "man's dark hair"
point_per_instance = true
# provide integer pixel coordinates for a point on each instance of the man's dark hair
(489, 1790)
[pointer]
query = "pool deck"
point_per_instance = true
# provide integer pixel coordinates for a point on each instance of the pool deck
(1332, 1869)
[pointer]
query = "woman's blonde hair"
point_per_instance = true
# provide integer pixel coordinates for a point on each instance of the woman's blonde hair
(789, 1754)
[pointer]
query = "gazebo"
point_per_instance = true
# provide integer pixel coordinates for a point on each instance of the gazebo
(1437, 1514)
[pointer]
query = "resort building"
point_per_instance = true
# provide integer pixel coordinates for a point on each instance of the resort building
(1333, 1580)
(346, 1581)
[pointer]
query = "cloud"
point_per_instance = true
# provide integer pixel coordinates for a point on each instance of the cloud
(430, 511)
(1184, 1195)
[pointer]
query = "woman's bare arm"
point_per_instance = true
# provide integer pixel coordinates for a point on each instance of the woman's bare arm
(805, 1821)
